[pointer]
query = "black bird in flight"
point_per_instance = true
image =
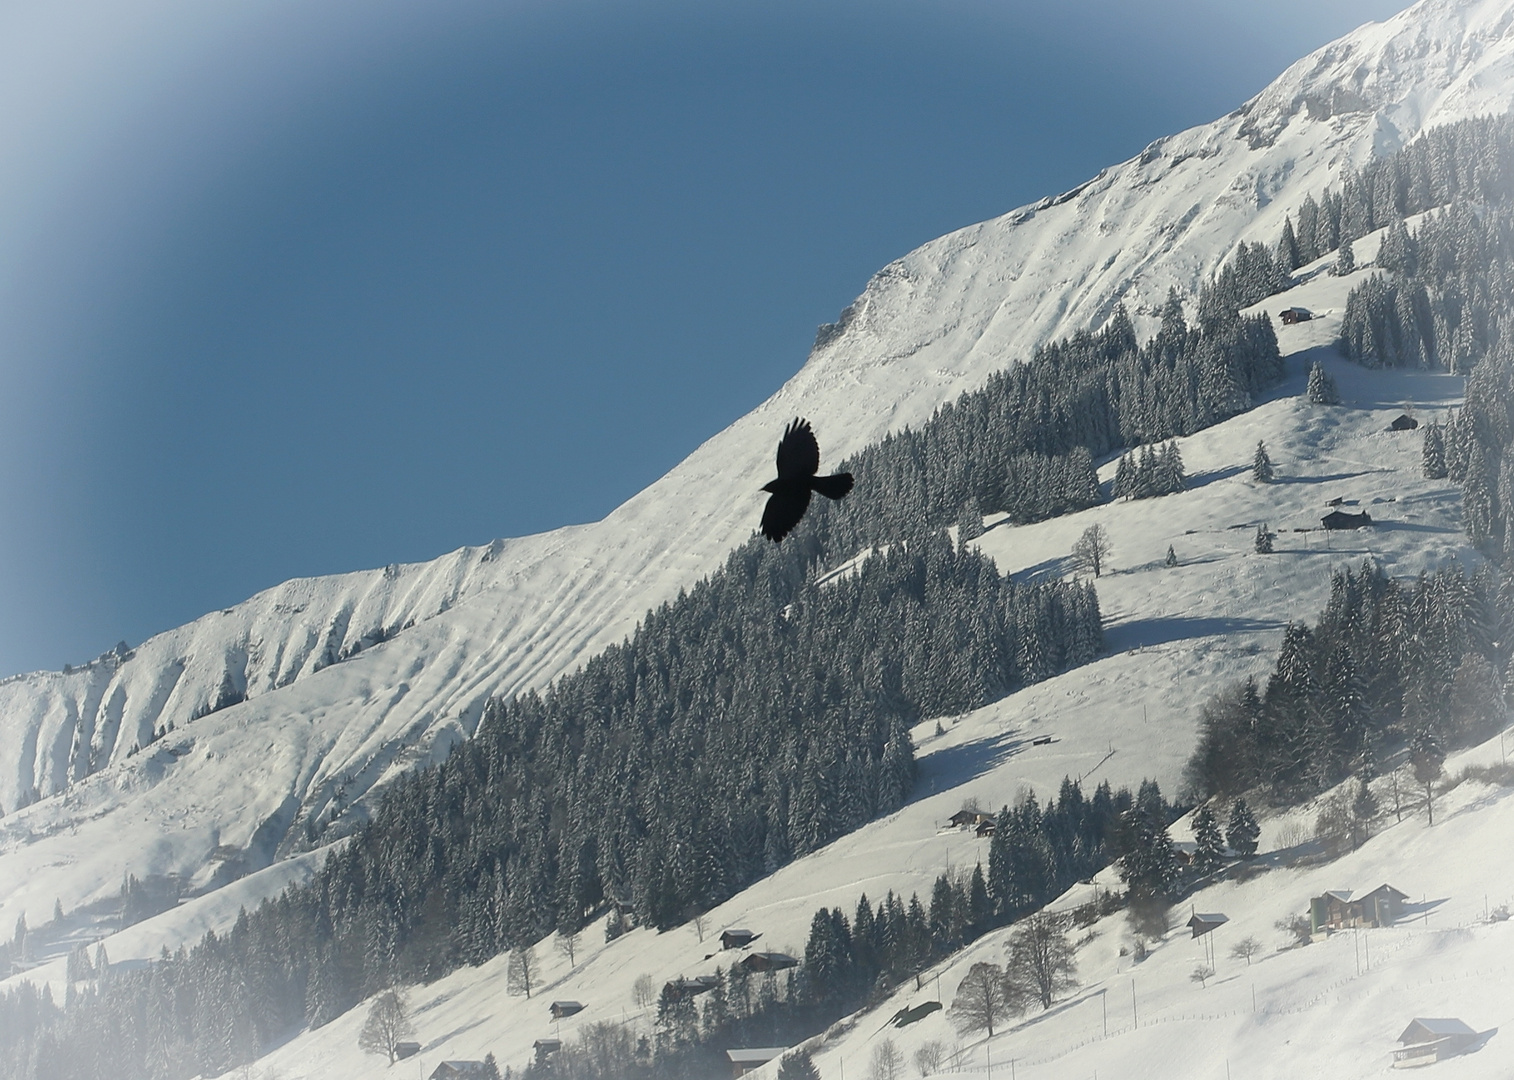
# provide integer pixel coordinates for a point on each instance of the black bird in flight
(798, 462)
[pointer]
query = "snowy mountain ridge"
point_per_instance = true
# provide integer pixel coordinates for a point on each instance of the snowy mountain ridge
(316, 732)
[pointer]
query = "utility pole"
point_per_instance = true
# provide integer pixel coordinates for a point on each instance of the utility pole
(1135, 1017)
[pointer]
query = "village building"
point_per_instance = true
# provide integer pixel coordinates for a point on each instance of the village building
(985, 828)
(406, 1050)
(545, 1048)
(689, 987)
(460, 1070)
(769, 961)
(1340, 909)
(1405, 422)
(1429, 1039)
(737, 938)
(1202, 924)
(1339, 519)
(1292, 315)
(744, 1059)
(561, 1009)
(967, 819)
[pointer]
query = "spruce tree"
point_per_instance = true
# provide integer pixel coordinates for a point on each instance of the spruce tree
(1172, 557)
(1261, 465)
(1321, 389)
(1433, 456)
(1345, 260)
(1263, 542)
(1242, 831)
(1210, 853)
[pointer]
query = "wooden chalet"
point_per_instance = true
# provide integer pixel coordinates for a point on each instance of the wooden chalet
(1405, 422)
(744, 1059)
(769, 961)
(406, 1050)
(689, 987)
(1430, 1039)
(985, 828)
(737, 938)
(561, 1009)
(545, 1048)
(1289, 316)
(460, 1070)
(967, 819)
(1340, 909)
(1339, 519)
(1202, 923)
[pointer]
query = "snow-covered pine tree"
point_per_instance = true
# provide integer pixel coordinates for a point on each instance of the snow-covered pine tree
(1261, 465)
(1242, 831)
(1172, 557)
(1345, 260)
(1210, 846)
(1321, 389)
(1433, 456)
(1263, 543)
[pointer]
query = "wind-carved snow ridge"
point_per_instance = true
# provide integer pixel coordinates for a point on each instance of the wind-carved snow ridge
(330, 686)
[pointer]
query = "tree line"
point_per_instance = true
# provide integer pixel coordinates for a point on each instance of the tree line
(1386, 663)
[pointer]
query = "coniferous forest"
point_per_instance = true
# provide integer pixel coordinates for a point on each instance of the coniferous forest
(763, 712)
(755, 718)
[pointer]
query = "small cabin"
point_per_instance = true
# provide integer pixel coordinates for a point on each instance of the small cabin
(686, 987)
(736, 938)
(1340, 909)
(405, 1050)
(1430, 1039)
(1202, 923)
(985, 828)
(967, 819)
(1289, 316)
(769, 961)
(744, 1059)
(562, 1009)
(1405, 422)
(460, 1070)
(545, 1048)
(1339, 519)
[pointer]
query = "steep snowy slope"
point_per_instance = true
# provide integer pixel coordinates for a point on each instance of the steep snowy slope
(1175, 635)
(239, 785)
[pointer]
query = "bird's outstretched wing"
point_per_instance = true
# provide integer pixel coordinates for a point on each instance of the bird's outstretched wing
(798, 453)
(783, 511)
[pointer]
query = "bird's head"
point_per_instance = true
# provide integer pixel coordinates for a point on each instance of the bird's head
(770, 487)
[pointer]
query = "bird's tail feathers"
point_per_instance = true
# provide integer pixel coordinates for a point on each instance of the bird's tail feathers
(833, 487)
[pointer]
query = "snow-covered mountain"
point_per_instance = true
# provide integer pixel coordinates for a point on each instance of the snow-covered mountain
(331, 685)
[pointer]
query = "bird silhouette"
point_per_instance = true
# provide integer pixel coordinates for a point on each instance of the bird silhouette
(798, 462)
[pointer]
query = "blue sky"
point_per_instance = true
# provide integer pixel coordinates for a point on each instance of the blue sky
(292, 288)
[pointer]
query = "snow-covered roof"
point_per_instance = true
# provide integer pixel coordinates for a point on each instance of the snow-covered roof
(1425, 1028)
(754, 1055)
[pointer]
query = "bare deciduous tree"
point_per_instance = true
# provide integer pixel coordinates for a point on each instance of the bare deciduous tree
(1201, 975)
(982, 999)
(387, 1026)
(520, 976)
(887, 1063)
(928, 1057)
(1042, 963)
(1091, 550)
(567, 944)
(643, 991)
(1245, 949)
